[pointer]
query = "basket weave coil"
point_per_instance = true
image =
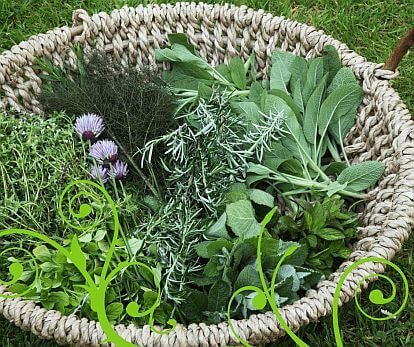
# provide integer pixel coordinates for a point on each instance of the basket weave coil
(383, 131)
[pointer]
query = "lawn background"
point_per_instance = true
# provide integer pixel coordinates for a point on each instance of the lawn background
(369, 27)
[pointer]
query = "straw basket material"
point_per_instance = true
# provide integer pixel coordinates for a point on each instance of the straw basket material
(383, 131)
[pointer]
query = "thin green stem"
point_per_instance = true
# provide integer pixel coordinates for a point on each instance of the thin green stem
(333, 151)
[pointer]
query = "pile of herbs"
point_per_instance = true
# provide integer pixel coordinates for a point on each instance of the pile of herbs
(208, 164)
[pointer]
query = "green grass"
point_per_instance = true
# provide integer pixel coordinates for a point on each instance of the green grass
(369, 27)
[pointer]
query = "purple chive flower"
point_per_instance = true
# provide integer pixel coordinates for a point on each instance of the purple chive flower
(105, 152)
(119, 170)
(98, 172)
(89, 126)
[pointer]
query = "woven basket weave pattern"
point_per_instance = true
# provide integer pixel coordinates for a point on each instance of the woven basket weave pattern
(383, 131)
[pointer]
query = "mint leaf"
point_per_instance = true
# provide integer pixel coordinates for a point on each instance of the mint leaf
(218, 296)
(249, 276)
(329, 234)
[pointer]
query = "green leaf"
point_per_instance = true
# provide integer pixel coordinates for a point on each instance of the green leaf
(207, 249)
(313, 77)
(49, 267)
(224, 70)
(288, 100)
(251, 113)
(331, 62)
(241, 219)
(135, 245)
(114, 311)
(218, 296)
(259, 169)
(218, 229)
(334, 168)
(42, 253)
(340, 127)
(85, 238)
(299, 70)
(291, 166)
(76, 253)
(204, 91)
(261, 197)
(256, 92)
(298, 97)
(238, 72)
(295, 140)
(361, 176)
(181, 39)
(249, 276)
(280, 72)
(337, 104)
(212, 269)
(329, 234)
(196, 302)
(311, 116)
(343, 76)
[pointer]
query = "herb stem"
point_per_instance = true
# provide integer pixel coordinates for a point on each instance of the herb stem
(333, 151)
(285, 178)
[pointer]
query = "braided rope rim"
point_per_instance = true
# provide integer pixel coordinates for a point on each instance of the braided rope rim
(383, 131)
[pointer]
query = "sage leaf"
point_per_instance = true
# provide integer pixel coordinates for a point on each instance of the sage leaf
(280, 72)
(331, 62)
(310, 120)
(298, 97)
(256, 92)
(251, 113)
(337, 104)
(361, 176)
(249, 276)
(288, 100)
(238, 72)
(299, 70)
(313, 77)
(340, 127)
(218, 296)
(343, 76)
(295, 140)
(182, 39)
(242, 220)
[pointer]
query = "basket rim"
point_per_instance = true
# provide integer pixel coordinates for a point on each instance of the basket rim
(258, 328)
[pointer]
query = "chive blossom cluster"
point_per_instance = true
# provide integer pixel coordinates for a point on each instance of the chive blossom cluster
(104, 153)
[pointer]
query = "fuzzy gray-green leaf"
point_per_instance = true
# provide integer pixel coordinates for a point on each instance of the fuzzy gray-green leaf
(362, 176)
(337, 104)
(342, 77)
(310, 120)
(280, 71)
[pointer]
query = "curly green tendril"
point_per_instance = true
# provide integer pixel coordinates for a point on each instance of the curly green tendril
(77, 257)
(264, 296)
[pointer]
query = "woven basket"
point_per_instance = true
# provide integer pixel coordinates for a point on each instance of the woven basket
(383, 131)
